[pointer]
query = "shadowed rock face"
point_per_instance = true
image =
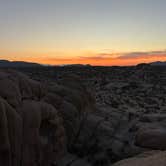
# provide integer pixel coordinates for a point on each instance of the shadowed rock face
(152, 159)
(23, 121)
(36, 121)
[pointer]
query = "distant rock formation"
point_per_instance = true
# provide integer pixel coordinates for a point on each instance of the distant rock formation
(158, 63)
(77, 65)
(15, 64)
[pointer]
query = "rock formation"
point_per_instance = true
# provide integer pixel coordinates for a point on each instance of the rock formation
(90, 116)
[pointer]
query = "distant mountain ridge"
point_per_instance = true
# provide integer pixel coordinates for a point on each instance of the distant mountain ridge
(6, 63)
(158, 63)
(18, 64)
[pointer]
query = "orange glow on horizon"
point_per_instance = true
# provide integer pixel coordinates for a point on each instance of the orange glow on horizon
(98, 60)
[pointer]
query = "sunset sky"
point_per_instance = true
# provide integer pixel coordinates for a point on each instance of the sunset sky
(97, 32)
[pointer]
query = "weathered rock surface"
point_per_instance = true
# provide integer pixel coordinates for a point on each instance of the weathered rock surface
(23, 121)
(152, 159)
(38, 123)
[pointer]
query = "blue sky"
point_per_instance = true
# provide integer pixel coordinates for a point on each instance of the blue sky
(77, 27)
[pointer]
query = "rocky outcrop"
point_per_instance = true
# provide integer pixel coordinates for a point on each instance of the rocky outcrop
(38, 123)
(148, 159)
(30, 128)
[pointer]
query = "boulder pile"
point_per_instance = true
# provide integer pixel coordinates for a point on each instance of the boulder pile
(38, 123)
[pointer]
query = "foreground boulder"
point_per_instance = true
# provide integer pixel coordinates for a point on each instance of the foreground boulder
(39, 123)
(31, 131)
(151, 159)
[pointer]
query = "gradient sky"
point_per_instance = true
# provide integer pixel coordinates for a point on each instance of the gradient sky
(99, 32)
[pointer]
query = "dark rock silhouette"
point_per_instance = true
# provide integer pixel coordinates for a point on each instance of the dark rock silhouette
(23, 121)
(158, 63)
(39, 122)
(14, 64)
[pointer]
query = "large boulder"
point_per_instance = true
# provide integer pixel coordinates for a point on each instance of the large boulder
(31, 130)
(39, 123)
(151, 159)
(43, 133)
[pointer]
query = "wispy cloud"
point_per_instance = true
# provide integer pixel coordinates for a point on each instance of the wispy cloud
(128, 56)
(140, 55)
